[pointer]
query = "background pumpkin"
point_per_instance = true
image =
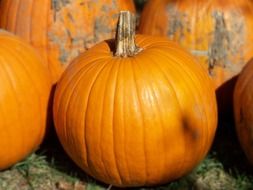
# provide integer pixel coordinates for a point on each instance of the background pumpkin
(60, 30)
(219, 33)
(24, 94)
(243, 109)
(138, 117)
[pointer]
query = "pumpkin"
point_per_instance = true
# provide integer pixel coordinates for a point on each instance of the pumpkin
(243, 109)
(218, 33)
(135, 114)
(59, 29)
(24, 95)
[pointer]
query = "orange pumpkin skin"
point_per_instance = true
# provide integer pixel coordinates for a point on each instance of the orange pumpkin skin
(135, 121)
(243, 109)
(60, 30)
(218, 32)
(24, 94)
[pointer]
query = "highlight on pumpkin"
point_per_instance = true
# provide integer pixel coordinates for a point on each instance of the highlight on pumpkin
(138, 120)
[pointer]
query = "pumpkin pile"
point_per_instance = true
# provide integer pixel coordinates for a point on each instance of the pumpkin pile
(134, 110)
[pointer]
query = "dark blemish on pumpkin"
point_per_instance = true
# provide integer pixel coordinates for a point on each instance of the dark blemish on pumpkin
(191, 132)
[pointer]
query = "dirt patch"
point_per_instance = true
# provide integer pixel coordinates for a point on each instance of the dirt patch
(227, 38)
(78, 25)
(177, 22)
(58, 4)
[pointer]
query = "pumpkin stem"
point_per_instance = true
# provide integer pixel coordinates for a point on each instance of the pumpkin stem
(125, 44)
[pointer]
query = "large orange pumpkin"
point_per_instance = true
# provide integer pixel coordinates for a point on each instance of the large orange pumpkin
(59, 29)
(243, 109)
(219, 33)
(141, 116)
(24, 95)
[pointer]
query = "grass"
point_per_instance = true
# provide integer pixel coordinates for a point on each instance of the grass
(225, 167)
